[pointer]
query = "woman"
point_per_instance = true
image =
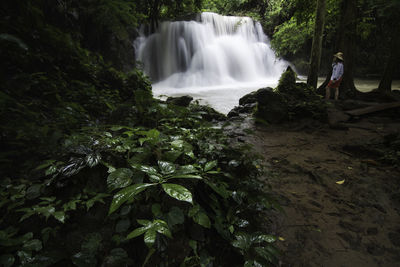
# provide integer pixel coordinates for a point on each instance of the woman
(337, 76)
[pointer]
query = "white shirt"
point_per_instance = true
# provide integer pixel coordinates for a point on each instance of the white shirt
(337, 71)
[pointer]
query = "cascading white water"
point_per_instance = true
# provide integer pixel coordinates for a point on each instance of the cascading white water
(217, 58)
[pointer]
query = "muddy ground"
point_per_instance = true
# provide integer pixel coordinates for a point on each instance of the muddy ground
(341, 203)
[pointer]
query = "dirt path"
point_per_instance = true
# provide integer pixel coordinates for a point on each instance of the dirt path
(342, 207)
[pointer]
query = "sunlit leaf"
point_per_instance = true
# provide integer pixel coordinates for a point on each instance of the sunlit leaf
(161, 227)
(210, 165)
(92, 160)
(126, 194)
(242, 241)
(59, 215)
(177, 144)
(166, 167)
(178, 192)
(263, 238)
(146, 169)
(150, 237)
(187, 169)
(341, 182)
(186, 176)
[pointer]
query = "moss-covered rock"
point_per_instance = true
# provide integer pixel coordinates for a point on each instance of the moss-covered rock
(288, 101)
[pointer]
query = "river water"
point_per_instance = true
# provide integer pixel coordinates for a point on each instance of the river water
(216, 59)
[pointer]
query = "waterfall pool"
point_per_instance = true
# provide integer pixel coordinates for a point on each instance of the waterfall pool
(222, 98)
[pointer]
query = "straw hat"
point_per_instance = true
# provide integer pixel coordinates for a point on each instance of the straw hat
(339, 55)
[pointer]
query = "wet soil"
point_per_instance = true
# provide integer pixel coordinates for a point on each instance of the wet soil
(341, 203)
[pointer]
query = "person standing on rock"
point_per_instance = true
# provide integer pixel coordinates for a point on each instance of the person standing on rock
(337, 76)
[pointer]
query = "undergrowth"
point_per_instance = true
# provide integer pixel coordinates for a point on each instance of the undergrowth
(95, 172)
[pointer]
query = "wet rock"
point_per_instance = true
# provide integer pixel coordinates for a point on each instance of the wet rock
(208, 113)
(242, 109)
(250, 98)
(183, 101)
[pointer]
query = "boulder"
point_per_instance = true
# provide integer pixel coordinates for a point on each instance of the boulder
(183, 101)
(271, 107)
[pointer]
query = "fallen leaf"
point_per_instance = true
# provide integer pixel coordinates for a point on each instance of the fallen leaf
(341, 182)
(281, 238)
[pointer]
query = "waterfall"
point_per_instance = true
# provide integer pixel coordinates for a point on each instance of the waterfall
(211, 53)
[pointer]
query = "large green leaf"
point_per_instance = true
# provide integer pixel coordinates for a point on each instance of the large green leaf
(202, 219)
(210, 165)
(243, 242)
(161, 227)
(166, 167)
(187, 169)
(137, 232)
(269, 253)
(186, 176)
(150, 237)
(126, 194)
(120, 178)
(152, 172)
(263, 238)
(150, 230)
(60, 216)
(178, 192)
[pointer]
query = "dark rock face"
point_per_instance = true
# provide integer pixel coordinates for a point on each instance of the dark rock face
(183, 101)
(289, 101)
(271, 106)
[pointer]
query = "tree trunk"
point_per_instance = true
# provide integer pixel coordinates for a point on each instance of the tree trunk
(385, 84)
(316, 49)
(346, 43)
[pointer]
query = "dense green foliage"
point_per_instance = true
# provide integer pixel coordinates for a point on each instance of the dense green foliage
(95, 172)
